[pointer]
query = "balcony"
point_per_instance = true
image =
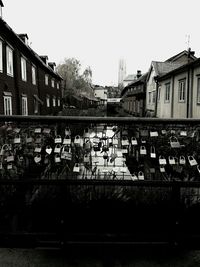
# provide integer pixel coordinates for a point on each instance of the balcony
(108, 180)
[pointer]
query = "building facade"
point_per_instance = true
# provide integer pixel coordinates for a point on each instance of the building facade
(179, 92)
(28, 84)
(158, 69)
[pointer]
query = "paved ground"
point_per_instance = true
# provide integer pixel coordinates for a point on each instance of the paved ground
(55, 258)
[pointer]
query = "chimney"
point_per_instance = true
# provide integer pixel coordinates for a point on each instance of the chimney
(23, 37)
(52, 65)
(139, 74)
(1, 7)
(44, 59)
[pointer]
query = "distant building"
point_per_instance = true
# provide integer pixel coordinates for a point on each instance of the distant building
(129, 79)
(101, 94)
(121, 72)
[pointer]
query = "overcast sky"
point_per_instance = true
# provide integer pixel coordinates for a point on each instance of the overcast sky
(100, 32)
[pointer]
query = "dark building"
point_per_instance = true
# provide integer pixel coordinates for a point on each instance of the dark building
(29, 84)
(134, 95)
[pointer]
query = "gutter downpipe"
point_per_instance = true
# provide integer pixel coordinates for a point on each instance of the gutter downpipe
(156, 101)
(172, 104)
(188, 94)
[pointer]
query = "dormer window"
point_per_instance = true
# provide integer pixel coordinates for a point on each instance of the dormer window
(44, 59)
(24, 37)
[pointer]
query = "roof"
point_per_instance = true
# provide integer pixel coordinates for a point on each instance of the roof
(28, 49)
(181, 54)
(182, 67)
(130, 77)
(141, 79)
(164, 67)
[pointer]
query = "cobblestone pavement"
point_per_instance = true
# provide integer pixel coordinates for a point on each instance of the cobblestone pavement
(56, 258)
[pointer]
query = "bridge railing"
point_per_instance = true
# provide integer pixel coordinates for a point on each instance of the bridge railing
(89, 178)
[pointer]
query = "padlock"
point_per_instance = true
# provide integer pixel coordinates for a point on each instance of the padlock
(143, 150)
(17, 130)
(183, 133)
(38, 139)
(9, 166)
(192, 161)
(174, 142)
(77, 140)
(67, 140)
(162, 168)
(37, 130)
(125, 141)
(67, 131)
(38, 149)
(164, 132)
(58, 139)
(46, 130)
(134, 177)
(76, 168)
(115, 141)
(57, 148)
(66, 152)
(95, 139)
(86, 158)
(124, 150)
(171, 160)
(10, 157)
(182, 160)
(153, 134)
(86, 133)
(134, 141)
(152, 152)
(29, 139)
(37, 158)
(162, 160)
(17, 139)
(57, 158)
(4, 149)
(140, 175)
(144, 133)
(87, 145)
(48, 150)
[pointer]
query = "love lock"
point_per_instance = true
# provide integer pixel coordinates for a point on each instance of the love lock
(134, 141)
(76, 168)
(57, 148)
(152, 152)
(162, 160)
(38, 149)
(140, 175)
(66, 152)
(171, 160)
(77, 140)
(67, 140)
(37, 158)
(174, 142)
(48, 150)
(57, 158)
(125, 141)
(58, 139)
(67, 131)
(192, 161)
(17, 139)
(143, 150)
(182, 160)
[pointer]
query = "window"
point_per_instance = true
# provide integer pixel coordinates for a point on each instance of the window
(33, 70)
(52, 83)
(149, 97)
(23, 69)
(58, 86)
(54, 101)
(7, 100)
(153, 97)
(46, 79)
(181, 91)
(24, 106)
(167, 92)
(48, 101)
(1, 56)
(9, 60)
(59, 102)
(198, 90)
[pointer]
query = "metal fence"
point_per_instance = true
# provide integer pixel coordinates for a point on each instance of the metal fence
(70, 180)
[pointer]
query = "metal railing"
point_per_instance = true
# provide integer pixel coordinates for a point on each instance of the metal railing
(91, 179)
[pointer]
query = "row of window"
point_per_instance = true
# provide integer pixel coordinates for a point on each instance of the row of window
(181, 92)
(7, 100)
(10, 70)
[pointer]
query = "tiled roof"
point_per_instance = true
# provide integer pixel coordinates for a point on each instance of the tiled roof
(162, 68)
(130, 77)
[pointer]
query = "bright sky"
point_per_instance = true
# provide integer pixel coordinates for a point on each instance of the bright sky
(100, 32)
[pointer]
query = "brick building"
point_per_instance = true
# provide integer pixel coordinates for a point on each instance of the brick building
(29, 84)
